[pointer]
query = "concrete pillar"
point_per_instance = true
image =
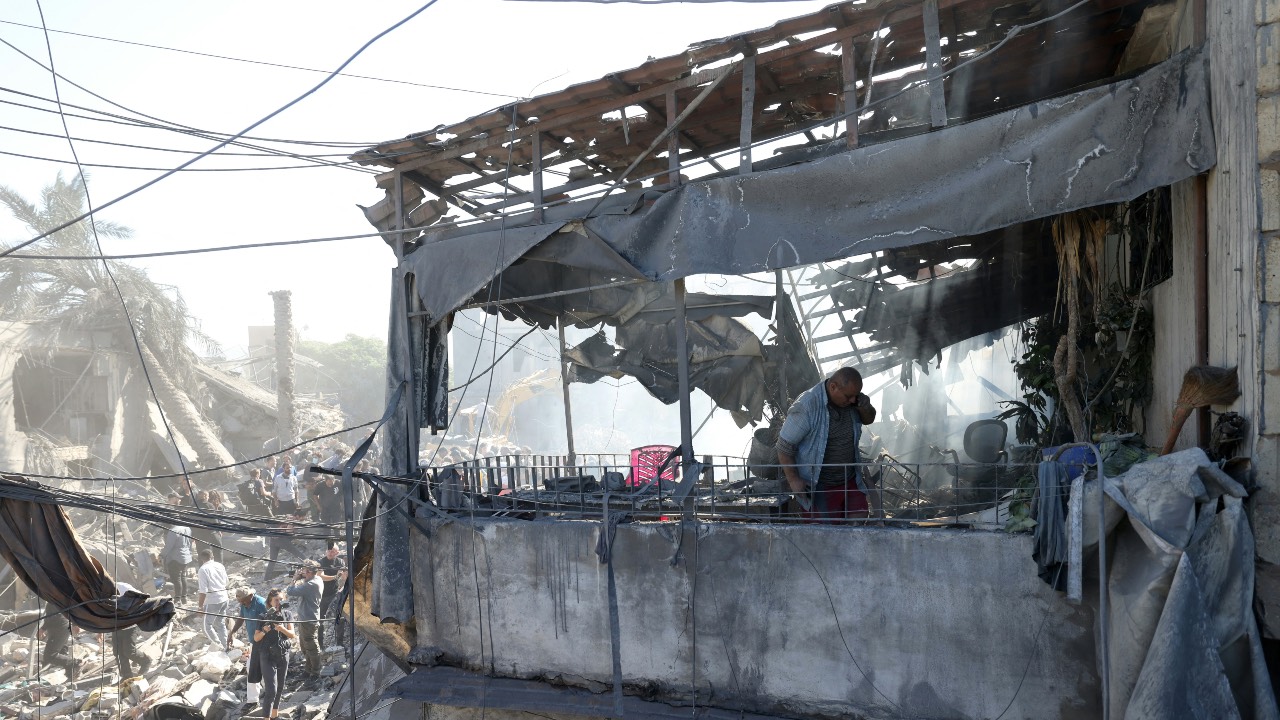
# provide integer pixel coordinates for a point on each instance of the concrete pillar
(285, 425)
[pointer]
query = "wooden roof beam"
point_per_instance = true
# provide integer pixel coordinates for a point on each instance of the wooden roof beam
(627, 89)
(471, 207)
(502, 176)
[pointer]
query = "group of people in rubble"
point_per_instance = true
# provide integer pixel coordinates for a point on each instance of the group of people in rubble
(271, 625)
(285, 487)
(301, 610)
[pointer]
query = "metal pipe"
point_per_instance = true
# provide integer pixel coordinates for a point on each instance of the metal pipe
(780, 301)
(564, 389)
(682, 358)
(1104, 624)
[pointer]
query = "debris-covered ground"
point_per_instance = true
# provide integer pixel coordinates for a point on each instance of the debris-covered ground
(189, 676)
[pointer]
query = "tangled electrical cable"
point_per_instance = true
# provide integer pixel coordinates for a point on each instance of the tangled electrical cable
(260, 62)
(197, 471)
(164, 514)
(359, 51)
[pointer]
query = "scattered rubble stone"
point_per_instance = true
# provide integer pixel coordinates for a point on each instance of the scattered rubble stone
(185, 672)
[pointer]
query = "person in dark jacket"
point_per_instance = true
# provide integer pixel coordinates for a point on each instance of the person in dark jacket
(271, 641)
(124, 643)
(283, 544)
(57, 638)
(333, 571)
(176, 556)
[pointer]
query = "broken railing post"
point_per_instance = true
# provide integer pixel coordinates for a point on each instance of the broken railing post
(780, 301)
(537, 177)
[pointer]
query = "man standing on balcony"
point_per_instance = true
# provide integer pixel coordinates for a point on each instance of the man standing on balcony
(818, 447)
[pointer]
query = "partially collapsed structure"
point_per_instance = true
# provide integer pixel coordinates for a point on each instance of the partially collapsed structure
(937, 157)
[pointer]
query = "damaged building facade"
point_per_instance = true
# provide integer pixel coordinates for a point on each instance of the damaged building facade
(932, 160)
(76, 403)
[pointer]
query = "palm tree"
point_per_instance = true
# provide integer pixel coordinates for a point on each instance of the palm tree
(65, 296)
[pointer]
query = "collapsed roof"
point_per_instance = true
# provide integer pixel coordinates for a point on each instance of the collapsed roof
(803, 70)
(973, 117)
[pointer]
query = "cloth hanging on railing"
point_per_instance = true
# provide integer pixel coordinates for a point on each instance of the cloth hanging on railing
(1050, 537)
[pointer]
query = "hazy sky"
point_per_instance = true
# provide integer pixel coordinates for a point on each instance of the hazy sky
(521, 48)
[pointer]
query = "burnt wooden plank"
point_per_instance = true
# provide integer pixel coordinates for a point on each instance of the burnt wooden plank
(933, 64)
(652, 109)
(537, 200)
(673, 140)
(849, 91)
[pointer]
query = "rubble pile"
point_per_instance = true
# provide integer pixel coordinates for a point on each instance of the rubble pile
(186, 676)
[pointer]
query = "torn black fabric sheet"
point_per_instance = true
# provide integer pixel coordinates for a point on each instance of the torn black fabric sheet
(39, 543)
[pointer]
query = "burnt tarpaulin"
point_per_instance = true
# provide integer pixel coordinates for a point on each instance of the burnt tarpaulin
(390, 597)
(726, 361)
(429, 352)
(1182, 639)
(787, 358)
(1102, 145)
(1098, 146)
(1017, 282)
(510, 263)
(621, 304)
(726, 358)
(39, 543)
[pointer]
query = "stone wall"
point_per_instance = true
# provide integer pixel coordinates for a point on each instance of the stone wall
(789, 620)
(1256, 29)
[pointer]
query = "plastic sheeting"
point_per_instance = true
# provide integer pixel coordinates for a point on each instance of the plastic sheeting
(1182, 639)
(1103, 145)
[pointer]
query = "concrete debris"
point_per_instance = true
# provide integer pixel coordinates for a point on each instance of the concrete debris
(182, 668)
(212, 666)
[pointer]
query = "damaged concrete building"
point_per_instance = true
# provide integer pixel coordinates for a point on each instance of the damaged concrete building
(76, 403)
(939, 171)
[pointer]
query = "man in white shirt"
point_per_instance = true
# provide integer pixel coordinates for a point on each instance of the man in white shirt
(286, 489)
(213, 598)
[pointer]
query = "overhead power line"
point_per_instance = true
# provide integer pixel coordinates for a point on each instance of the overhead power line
(152, 147)
(106, 266)
(200, 251)
(268, 64)
(228, 141)
(183, 130)
(193, 131)
(191, 169)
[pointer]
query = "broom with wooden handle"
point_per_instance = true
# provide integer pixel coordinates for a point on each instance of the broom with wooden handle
(1202, 386)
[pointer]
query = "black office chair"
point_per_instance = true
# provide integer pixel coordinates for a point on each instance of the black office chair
(984, 441)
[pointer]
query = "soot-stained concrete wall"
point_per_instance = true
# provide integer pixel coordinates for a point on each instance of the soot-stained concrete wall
(791, 620)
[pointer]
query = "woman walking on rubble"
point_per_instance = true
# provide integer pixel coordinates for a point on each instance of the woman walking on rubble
(271, 639)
